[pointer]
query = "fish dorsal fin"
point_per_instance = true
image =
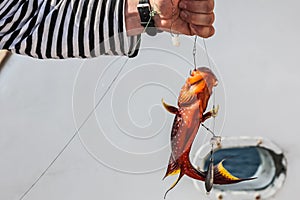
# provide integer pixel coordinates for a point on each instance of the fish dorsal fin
(171, 109)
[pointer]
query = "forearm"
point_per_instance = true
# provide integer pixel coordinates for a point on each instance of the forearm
(69, 29)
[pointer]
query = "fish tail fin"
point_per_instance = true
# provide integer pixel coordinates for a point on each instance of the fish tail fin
(186, 169)
(223, 176)
(173, 168)
(174, 184)
(169, 108)
(192, 172)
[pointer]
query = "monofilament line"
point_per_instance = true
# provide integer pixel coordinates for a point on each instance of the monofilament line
(75, 133)
(214, 92)
(208, 60)
(195, 51)
(84, 122)
(206, 52)
(208, 129)
(214, 103)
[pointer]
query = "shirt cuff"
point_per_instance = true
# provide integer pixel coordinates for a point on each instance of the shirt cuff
(131, 43)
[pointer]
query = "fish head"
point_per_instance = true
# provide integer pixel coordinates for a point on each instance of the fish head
(200, 82)
(201, 79)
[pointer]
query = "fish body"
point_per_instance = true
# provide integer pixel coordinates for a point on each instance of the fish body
(192, 104)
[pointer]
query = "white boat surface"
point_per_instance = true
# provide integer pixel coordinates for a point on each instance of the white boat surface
(122, 149)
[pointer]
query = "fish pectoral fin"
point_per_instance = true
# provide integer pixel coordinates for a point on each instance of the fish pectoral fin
(223, 176)
(173, 185)
(169, 108)
(215, 110)
(211, 113)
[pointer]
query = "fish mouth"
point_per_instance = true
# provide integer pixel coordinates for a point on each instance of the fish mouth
(198, 77)
(195, 77)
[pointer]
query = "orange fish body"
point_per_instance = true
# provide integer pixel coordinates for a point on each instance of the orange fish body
(192, 103)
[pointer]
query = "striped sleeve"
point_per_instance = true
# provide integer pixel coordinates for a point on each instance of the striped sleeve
(65, 28)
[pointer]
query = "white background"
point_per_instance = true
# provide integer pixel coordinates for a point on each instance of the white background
(256, 52)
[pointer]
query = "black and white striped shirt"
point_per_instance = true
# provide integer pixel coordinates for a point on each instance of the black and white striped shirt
(65, 28)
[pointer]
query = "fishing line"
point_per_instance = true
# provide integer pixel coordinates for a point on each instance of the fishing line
(208, 129)
(206, 52)
(214, 92)
(215, 139)
(194, 52)
(85, 120)
(75, 134)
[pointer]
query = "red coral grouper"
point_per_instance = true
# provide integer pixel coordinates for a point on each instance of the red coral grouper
(192, 103)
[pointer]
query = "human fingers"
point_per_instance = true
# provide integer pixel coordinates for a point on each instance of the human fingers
(202, 31)
(198, 18)
(197, 6)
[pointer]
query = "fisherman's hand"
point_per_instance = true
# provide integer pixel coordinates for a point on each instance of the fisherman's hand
(189, 17)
